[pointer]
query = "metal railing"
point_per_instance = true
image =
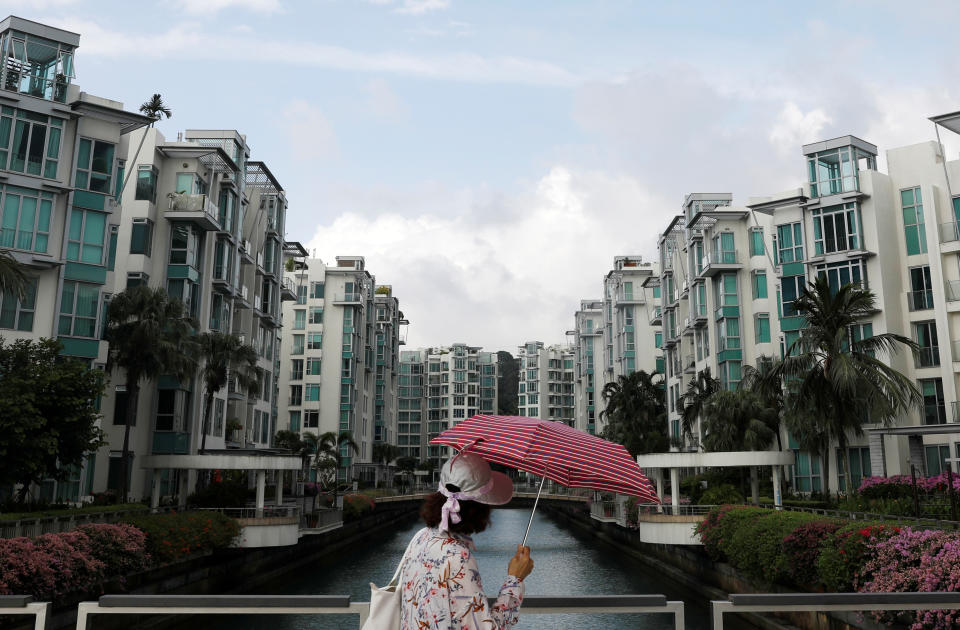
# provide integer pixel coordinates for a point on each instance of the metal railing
(341, 605)
(668, 509)
(936, 523)
(194, 203)
(720, 257)
(24, 605)
(54, 524)
(828, 602)
(268, 511)
(920, 300)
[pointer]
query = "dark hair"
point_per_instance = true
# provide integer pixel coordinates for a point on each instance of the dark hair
(474, 517)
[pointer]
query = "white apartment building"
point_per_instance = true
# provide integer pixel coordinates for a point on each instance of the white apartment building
(546, 382)
(588, 356)
(330, 357)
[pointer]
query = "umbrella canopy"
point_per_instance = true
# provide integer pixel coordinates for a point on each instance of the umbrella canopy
(552, 450)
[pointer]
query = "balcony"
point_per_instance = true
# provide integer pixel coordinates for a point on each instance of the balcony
(949, 232)
(954, 412)
(347, 298)
(690, 365)
(951, 290)
(171, 443)
(220, 279)
(920, 300)
(927, 357)
(243, 297)
(198, 209)
(246, 253)
(699, 314)
(656, 316)
(288, 292)
(627, 299)
(719, 261)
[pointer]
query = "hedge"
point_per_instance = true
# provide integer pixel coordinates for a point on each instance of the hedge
(175, 536)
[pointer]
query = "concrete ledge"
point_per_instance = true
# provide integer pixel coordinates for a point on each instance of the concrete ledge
(842, 599)
(225, 601)
(269, 520)
(670, 518)
(15, 601)
(592, 601)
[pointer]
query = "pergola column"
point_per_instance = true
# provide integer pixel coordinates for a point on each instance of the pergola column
(280, 476)
(155, 493)
(777, 497)
(261, 489)
(660, 488)
(675, 490)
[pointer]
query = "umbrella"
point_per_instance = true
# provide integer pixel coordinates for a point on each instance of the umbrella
(552, 450)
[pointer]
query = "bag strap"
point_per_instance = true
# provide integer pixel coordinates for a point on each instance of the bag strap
(396, 574)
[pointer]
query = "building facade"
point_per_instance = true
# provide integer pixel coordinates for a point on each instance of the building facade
(546, 382)
(587, 358)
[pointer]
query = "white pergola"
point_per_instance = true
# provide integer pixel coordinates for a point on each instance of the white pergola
(732, 459)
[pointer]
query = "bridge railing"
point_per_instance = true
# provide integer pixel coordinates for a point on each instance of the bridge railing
(827, 602)
(24, 605)
(341, 605)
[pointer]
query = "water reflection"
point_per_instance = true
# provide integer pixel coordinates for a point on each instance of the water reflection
(565, 564)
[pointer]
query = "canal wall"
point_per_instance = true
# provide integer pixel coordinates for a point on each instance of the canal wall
(690, 568)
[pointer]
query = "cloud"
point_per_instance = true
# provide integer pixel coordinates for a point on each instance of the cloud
(419, 7)
(382, 101)
(35, 5)
(794, 128)
(185, 41)
(211, 7)
(309, 133)
(498, 283)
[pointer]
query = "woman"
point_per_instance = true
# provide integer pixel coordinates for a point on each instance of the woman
(440, 581)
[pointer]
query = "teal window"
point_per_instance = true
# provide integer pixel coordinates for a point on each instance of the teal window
(728, 333)
(227, 208)
(316, 289)
(859, 466)
(790, 243)
(700, 299)
(301, 294)
(112, 251)
(928, 350)
(299, 319)
(312, 392)
(724, 250)
(934, 407)
(759, 285)
(726, 290)
(806, 472)
(311, 419)
(628, 291)
(658, 340)
(656, 292)
(790, 345)
(314, 340)
(184, 245)
(730, 374)
(313, 366)
(295, 421)
(30, 141)
(835, 171)
(835, 229)
(26, 219)
(698, 256)
(17, 313)
(86, 236)
(191, 184)
(841, 273)
(790, 289)
(147, 183)
(78, 309)
(935, 457)
(913, 226)
(297, 344)
(316, 314)
(296, 395)
(762, 325)
(94, 165)
(756, 241)
(118, 186)
(141, 237)
(956, 209)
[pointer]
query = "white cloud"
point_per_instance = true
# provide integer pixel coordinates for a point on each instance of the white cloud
(34, 5)
(187, 40)
(211, 7)
(794, 128)
(309, 133)
(461, 277)
(419, 7)
(382, 101)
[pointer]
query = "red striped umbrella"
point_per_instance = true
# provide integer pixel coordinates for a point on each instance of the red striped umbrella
(552, 450)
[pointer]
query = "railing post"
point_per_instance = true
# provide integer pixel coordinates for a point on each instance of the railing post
(916, 499)
(717, 608)
(951, 493)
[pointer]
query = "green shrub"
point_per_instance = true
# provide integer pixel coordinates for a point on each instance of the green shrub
(845, 551)
(719, 525)
(802, 548)
(356, 505)
(756, 545)
(174, 536)
(721, 495)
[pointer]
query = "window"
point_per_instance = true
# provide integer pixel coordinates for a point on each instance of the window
(658, 340)
(314, 340)
(313, 366)
(934, 408)
(295, 421)
(759, 282)
(835, 171)
(137, 278)
(190, 184)
(297, 344)
(296, 369)
(730, 374)
(26, 219)
(835, 229)
(94, 165)
(78, 309)
(806, 472)
(17, 314)
(312, 392)
(316, 314)
(184, 243)
(120, 399)
(227, 207)
(35, 147)
(296, 395)
(141, 237)
(628, 291)
(218, 413)
(913, 226)
(728, 334)
(316, 289)
(756, 241)
(723, 248)
(86, 236)
(311, 419)
(921, 289)
(790, 243)
(928, 351)
(299, 319)
(301, 294)
(841, 273)
(935, 458)
(726, 290)
(147, 183)
(700, 299)
(762, 326)
(790, 289)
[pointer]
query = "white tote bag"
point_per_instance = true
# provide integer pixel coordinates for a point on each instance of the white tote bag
(385, 602)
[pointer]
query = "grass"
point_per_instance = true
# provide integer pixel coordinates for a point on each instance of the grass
(90, 509)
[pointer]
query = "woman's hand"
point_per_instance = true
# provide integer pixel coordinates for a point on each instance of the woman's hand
(520, 564)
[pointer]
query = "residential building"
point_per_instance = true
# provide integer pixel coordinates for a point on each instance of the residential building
(586, 343)
(546, 382)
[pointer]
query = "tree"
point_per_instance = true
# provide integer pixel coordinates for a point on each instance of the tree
(48, 412)
(764, 381)
(150, 336)
(738, 421)
(406, 465)
(636, 413)
(13, 279)
(508, 368)
(383, 454)
(156, 109)
(699, 391)
(427, 466)
(838, 378)
(330, 446)
(224, 356)
(292, 441)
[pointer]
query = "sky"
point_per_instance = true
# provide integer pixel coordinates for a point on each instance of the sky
(489, 159)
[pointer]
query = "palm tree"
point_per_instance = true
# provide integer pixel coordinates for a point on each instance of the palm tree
(330, 446)
(840, 379)
(764, 381)
(157, 110)
(636, 413)
(150, 335)
(737, 421)
(12, 276)
(224, 356)
(384, 453)
(699, 391)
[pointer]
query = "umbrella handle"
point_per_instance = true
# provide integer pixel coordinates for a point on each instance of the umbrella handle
(534, 511)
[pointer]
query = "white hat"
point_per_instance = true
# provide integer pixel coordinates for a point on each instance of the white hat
(467, 476)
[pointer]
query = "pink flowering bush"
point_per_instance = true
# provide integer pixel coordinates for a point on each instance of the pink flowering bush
(917, 560)
(52, 565)
(902, 486)
(356, 505)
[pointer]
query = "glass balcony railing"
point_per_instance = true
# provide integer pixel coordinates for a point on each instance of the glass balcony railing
(927, 357)
(952, 290)
(949, 232)
(920, 300)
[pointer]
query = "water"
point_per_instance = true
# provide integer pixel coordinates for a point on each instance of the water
(565, 563)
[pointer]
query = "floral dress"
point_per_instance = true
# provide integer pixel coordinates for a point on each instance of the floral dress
(441, 587)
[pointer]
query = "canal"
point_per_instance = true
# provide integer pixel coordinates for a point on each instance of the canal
(566, 563)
